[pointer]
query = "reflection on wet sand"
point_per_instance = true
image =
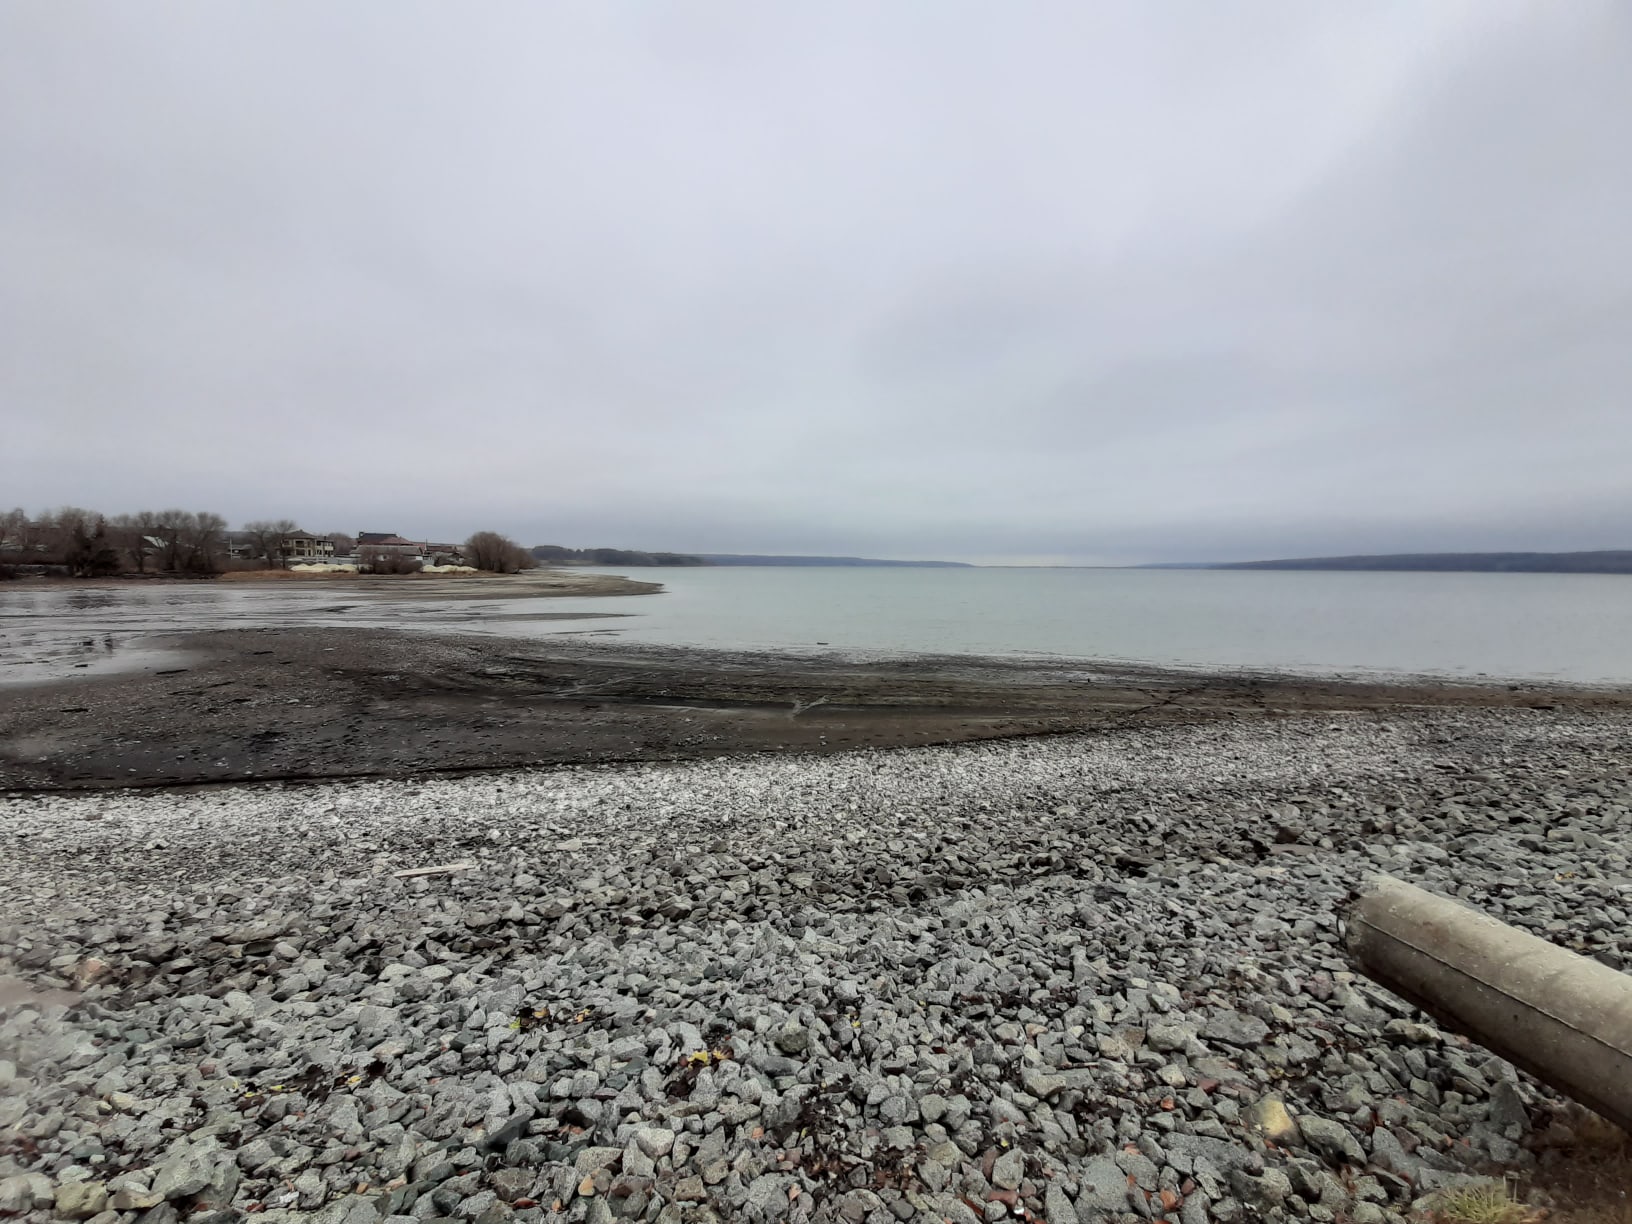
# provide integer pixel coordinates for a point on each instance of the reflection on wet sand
(59, 632)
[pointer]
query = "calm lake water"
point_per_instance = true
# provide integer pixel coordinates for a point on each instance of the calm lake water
(1517, 626)
(1574, 627)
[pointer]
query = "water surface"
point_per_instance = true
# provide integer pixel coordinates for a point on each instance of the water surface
(1566, 627)
(1572, 627)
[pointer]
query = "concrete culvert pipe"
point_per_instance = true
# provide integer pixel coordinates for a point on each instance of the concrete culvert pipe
(1562, 1017)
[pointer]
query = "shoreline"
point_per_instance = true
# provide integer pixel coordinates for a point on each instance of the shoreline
(1090, 976)
(527, 584)
(304, 704)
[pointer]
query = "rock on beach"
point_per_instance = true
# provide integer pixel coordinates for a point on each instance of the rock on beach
(1076, 978)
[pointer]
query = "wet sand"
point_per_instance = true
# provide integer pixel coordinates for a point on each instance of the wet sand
(54, 629)
(305, 703)
(530, 583)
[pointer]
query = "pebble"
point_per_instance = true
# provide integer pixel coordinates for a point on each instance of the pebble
(1078, 977)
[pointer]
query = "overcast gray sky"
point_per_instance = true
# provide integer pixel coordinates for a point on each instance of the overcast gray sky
(1037, 281)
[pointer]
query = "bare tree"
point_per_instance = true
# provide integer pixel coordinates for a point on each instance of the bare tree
(488, 550)
(191, 539)
(15, 542)
(204, 542)
(344, 545)
(15, 528)
(268, 536)
(89, 552)
(66, 527)
(375, 560)
(133, 534)
(171, 528)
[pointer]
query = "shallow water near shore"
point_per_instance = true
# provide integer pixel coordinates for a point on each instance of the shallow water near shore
(1574, 628)
(1562, 627)
(66, 630)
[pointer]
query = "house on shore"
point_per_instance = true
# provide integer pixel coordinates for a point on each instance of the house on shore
(304, 546)
(238, 545)
(386, 543)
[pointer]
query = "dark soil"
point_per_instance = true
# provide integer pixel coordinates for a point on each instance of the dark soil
(316, 703)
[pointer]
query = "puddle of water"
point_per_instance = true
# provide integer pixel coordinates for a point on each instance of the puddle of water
(57, 633)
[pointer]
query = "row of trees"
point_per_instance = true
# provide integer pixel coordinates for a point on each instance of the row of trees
(266, 539)
(555, 554)
(92, 544)
(488, 550)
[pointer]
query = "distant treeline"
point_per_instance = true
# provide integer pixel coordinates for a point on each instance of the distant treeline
(1610, 561)
(555, 554)
(759, 559)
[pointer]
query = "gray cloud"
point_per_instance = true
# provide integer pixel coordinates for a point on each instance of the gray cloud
(1064, 282)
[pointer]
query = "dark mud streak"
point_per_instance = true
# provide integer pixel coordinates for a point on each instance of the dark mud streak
(296, 705)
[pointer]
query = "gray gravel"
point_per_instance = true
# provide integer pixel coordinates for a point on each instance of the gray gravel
(1076, 978)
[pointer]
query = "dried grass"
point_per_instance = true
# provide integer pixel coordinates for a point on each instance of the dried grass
(1588, 1179)
(1486, 1203)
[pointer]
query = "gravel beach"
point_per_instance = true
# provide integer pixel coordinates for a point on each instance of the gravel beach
(1093, 976)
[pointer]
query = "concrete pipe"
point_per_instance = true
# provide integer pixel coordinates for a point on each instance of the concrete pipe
(1564, 1018)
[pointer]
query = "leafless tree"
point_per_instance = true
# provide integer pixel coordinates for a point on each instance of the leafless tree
(171, 528)
(204, 542)
(89, 551)
(192, 539)
(133, 534)
(488, 550)
(344, 545)
(374, 560)
(66, 518)
(268, 536)
(15, 527)
(15, 531)
(67, 526)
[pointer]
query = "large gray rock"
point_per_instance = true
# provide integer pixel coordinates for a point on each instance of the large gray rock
(1235, 1028)
(1269, 1117)
(1104, 1186)
(1331, 1140)
(81, 1200)
(185, 1172)
(1169, 1038)
(768, 1196)
(594, 1159)
(26, 1192)
(655, 1141)
(1009, 1170)
(351, 1209)
(1507, 1112)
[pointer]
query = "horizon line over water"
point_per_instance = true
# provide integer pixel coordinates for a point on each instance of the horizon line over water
(1464, 625)
(1570, 628)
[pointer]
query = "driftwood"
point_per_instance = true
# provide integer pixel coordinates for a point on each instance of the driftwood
(410, 873)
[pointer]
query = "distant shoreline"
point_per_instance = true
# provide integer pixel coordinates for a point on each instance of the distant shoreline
(530, 584)
(1602, 561)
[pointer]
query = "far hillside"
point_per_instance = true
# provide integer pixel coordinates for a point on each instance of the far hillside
(771, 559)
(555, 554)
(1609, 561)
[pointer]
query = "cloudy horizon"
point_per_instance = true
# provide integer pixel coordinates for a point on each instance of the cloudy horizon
(1051, 283)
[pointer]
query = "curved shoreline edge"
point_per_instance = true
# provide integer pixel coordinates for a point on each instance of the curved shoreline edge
(303, 704)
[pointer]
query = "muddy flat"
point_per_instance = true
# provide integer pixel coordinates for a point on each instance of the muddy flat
(328, 702)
